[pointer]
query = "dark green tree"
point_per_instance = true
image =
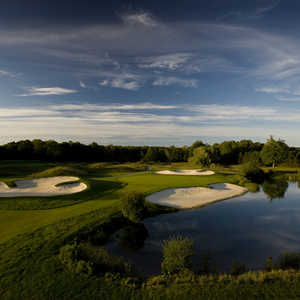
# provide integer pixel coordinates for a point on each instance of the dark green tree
(274, 152)
(202, 156)
(133, 206)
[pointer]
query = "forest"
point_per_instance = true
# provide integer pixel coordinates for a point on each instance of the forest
(272, 153)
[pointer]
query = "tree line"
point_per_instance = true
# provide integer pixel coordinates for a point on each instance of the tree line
(271, 153)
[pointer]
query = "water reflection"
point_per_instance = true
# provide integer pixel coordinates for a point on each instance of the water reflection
(246, 229)
(275, 187)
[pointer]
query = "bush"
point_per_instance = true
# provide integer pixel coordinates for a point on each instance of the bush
(288, 261)
(69, 255)
(177, 253)
(269, 264)
(252, 187)
(102, 260)
(252, 172)
(133, 206)
(238, 268)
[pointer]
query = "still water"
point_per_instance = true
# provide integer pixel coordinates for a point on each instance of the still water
(246, 229)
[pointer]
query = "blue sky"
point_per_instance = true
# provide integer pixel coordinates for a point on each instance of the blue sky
(150, 72)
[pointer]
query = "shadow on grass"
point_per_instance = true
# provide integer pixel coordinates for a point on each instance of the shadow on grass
(97, 190)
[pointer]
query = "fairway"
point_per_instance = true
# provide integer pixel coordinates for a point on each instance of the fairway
(103, 192)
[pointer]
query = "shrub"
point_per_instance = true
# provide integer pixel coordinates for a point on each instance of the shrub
(102, 260)
(177, 253)
(252, 172)
(288, 261)
(252, 187)
(133, 206)
(269, 264)
(238, 268)
(69, 255)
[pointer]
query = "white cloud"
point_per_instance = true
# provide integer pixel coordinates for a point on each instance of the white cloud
(82, 84)
(35, 91)
(98, 107)
(8, 74)
(166, 81)
(272, 90)
(140, 19)
(169, 61)
(87, 120)
(289, 99)
(125, 84)
(125, 81)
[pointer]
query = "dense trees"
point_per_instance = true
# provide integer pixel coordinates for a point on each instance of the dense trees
(272, 153)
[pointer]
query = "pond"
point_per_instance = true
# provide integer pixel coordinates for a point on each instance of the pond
(246, 229)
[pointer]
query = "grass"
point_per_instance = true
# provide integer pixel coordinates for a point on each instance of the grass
(32, 230)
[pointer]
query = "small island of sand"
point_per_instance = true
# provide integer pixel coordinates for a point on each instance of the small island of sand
(43, 187)
(196, 196)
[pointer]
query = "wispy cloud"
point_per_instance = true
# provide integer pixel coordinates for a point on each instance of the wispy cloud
(8, 74)
(82, 84)
(87, 120)
(265, 6)
(119, 106)
(288, 98)
(260, 8)
(140, 19)
(272, 90)
(125, 81)
(37, 91)
(166, 81)
(169, 61)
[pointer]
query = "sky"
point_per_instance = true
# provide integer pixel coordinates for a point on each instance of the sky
(137, 72)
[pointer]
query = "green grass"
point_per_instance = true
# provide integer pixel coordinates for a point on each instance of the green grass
(32, 230)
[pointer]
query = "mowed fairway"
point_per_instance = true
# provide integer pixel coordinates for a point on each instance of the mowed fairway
(24, 220)
(17, 222)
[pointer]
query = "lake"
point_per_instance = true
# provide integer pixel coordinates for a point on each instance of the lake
(246, 229)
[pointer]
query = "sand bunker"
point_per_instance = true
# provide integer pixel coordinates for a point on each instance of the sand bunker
(196, 196)
(186, 172)
(42, 187)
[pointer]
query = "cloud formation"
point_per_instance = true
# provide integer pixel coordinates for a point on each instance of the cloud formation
(125, 81)
(144, 19)
(169, 61)
(130, 122)
(166, 81)
(37, 91)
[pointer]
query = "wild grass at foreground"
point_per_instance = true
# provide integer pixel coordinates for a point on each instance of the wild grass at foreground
(30, 269)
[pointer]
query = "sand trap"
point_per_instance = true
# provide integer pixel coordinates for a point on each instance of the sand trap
(186, 172)
(196, 196)
(42, 187)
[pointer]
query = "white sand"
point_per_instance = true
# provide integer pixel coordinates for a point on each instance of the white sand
(186, 172)
(44, 187)
(196, 196)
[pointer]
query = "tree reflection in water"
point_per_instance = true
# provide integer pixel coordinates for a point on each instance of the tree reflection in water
(275, 187)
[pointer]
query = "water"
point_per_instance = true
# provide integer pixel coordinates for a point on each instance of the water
(247, 229)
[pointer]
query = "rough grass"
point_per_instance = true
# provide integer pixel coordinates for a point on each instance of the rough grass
(59, 171)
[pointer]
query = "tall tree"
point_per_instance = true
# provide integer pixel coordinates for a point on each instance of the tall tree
(273, 152)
